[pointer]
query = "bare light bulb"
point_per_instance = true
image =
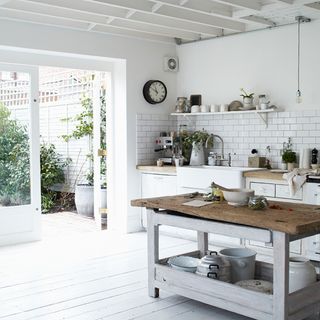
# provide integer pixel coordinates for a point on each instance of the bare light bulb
(299, 97)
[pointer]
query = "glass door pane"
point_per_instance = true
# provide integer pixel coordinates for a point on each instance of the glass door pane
(14, 139)
(20, 197)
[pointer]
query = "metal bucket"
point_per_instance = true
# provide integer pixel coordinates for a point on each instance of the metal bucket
(242, 263)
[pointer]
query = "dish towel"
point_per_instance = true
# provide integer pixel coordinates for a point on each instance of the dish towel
(296, 179)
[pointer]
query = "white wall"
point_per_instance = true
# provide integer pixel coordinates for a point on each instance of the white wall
(144, 61)
(264, 62)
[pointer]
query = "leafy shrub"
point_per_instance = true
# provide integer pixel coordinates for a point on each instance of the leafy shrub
(84, 128)
(14, 161)
(51, 173)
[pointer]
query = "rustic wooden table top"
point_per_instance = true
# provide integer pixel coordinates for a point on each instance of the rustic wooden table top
(291, 218)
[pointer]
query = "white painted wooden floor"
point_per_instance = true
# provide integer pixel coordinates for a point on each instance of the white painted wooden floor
(88, 276)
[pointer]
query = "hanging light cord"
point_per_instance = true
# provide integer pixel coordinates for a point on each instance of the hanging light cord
(299, 51)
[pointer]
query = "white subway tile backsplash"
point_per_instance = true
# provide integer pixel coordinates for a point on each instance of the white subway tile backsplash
(241, 133)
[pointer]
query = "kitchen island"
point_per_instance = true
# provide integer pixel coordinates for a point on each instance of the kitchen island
(287, 222)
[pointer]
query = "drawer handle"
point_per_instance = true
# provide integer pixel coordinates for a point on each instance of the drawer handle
(158, 178)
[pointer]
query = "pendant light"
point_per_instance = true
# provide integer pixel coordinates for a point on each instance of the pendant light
(300, 19)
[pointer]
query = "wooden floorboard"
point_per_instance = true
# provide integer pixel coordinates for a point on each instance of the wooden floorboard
(90, 275)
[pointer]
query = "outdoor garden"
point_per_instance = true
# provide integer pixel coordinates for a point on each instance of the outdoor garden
(66, 150)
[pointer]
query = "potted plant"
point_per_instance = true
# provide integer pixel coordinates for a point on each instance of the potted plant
(247, 99)
(196, 142)
(289, 157)
(84, 197)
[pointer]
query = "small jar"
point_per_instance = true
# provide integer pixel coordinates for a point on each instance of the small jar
(257, 203)
(211, 159)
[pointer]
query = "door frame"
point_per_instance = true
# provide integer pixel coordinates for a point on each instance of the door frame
(31, 226)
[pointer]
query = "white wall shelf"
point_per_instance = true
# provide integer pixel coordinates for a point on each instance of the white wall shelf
(262, 114)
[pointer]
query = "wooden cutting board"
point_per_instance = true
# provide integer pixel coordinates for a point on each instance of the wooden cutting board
(291, 218)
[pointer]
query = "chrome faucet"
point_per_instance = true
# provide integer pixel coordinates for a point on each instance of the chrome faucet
(212, 136)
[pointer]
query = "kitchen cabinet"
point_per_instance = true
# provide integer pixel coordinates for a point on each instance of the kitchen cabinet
(156, 185)
(275, 190)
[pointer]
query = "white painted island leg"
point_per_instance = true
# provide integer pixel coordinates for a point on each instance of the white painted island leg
(202, 243)
(280, 275)
(153, 252)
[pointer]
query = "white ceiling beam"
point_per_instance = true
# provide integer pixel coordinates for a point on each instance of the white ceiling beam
(91, 26)
(297, 5)
(203, 6)
(156, 6)
(259, 20)
(244, 4)
(12, 15)
(177, 24)
(130, 13)
(315, 5)
(176, 13)
(131, 25)
(78, 7)
(286, 1)
(16, 15)
(93, 20)
(202, 18)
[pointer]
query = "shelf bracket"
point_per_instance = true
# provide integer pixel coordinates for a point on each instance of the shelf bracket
(263, 117)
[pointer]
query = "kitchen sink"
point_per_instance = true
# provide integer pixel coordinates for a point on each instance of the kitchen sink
(199, 178)
(242, 169)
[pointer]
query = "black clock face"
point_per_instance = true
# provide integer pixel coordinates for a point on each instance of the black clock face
(154, 91)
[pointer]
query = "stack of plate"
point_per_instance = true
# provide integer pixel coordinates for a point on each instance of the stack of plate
(184, 263)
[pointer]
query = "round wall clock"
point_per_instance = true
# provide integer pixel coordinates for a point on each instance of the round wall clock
(154, 91)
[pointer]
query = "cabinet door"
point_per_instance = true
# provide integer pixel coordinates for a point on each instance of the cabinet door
(312, 247)
(156, 185)
(261, 247)
(263, 189)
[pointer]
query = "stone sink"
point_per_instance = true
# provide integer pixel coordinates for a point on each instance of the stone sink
(199, 178)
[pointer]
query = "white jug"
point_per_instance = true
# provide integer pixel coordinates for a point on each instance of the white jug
(197, 155)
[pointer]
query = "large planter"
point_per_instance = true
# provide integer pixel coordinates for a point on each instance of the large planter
(84, 200)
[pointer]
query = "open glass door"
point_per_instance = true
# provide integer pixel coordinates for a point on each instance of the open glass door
(102, 84)
(20, 197)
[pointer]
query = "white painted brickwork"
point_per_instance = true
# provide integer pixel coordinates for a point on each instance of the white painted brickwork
(243, 132)
(148, 129)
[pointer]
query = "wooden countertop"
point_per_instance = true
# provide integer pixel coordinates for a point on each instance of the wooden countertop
(291, 218)
(156, 169)
(264, 174)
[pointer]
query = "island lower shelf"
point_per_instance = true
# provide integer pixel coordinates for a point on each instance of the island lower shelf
(230, 296)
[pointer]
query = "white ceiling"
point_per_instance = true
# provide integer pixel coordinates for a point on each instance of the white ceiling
(160, 20)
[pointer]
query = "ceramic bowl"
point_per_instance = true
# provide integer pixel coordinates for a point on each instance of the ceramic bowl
(184, 263)
(238, 197)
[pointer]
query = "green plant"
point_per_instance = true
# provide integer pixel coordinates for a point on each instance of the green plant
(198, 137)
(51, 166)
(48, 201)
(14, 160)
(84, 128)
(187, 139)
(245, 94)
(289, 156)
